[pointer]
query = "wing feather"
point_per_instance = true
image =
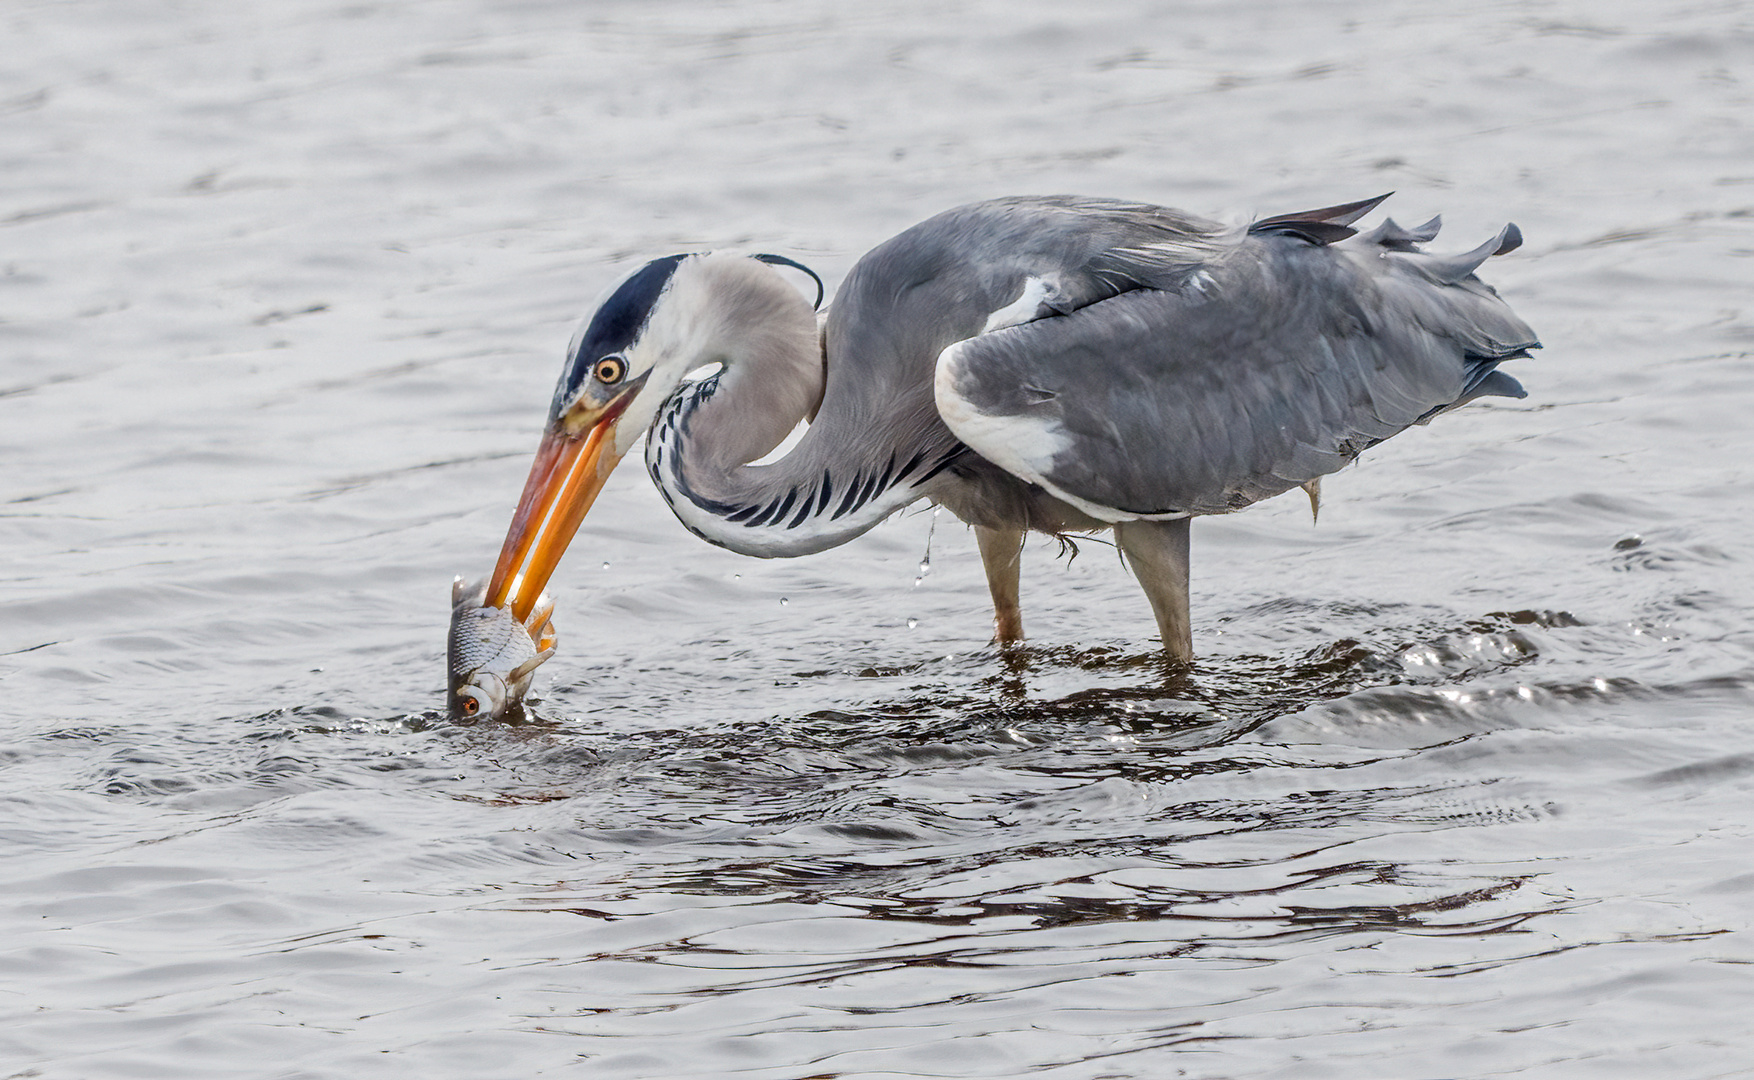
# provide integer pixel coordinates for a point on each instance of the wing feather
(1274, 365)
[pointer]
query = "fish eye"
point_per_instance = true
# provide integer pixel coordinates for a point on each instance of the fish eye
(609, 370)
(471, 704)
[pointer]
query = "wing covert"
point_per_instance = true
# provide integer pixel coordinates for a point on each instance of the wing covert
(1275, 366)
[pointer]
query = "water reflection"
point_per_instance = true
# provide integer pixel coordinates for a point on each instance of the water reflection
(1142, 800)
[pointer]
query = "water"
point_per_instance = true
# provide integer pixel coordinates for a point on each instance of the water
(1461, 786)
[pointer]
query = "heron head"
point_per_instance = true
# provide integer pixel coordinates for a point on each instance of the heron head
(614, 352)
(607, 370)
(671, 316)
(648, 331)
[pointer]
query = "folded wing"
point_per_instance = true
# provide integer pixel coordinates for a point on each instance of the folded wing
(1276, 363)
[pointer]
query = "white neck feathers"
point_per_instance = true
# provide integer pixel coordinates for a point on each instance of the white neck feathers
(740, 313)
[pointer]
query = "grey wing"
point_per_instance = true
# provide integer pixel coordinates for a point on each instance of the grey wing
(1276, 365)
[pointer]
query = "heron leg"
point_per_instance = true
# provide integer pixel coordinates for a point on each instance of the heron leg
(1157, 551)
(1002, 556)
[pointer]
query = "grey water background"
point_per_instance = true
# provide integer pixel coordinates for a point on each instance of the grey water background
(1461, 786)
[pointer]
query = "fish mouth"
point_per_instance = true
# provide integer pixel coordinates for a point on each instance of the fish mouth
(572, 463)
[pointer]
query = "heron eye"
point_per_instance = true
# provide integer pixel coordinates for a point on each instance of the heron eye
(609, 370)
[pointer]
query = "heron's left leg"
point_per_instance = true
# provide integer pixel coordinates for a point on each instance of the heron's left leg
(1002, 556)
(1158, 553)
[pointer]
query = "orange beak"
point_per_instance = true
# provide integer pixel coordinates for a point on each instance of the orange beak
(565, 478)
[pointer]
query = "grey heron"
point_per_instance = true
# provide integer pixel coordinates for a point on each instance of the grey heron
(1055, 364)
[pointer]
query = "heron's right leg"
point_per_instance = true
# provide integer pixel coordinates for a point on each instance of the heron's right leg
(1002, 556)
(1158, 553)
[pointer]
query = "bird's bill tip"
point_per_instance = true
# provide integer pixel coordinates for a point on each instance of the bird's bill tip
(568, 472)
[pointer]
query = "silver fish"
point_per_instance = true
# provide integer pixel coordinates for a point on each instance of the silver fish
(491, 655)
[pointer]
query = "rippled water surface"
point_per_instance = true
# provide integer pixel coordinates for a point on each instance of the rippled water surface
(1462, 786)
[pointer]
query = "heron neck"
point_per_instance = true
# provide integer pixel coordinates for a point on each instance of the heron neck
(842, 476)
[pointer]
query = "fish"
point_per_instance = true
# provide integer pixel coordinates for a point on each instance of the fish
(492, 656)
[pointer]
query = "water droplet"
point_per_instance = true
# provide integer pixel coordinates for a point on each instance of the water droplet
(736, 577)
(784, 601)
(911, 623)
(605, 564)
(926, 559)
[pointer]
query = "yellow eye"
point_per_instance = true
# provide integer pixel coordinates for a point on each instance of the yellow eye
(609, 370)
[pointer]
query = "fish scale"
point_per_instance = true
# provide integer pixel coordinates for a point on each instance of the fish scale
(490, 654)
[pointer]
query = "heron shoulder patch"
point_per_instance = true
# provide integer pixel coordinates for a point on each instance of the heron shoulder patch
(1024, 443)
